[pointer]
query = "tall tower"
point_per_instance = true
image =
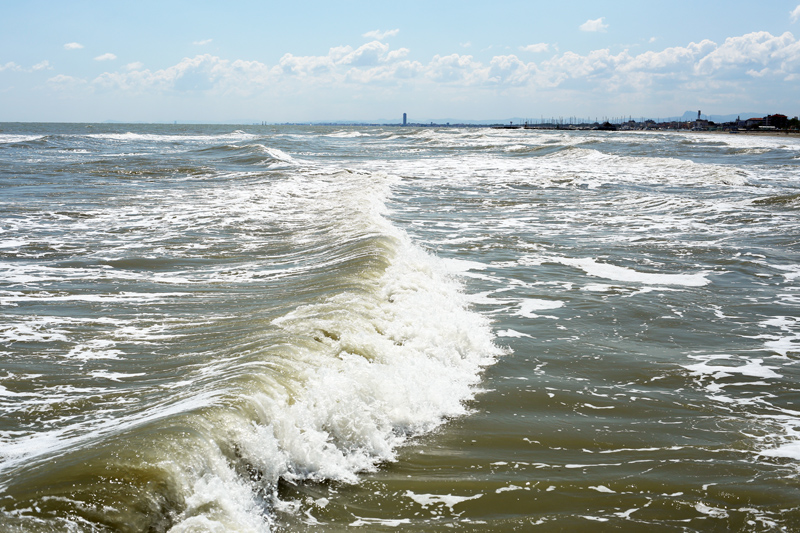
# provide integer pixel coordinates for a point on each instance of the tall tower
(698, 114)
(404, 119)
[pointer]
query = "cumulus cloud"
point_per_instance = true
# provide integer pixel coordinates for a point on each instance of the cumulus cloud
(455, 68)
(751, 50)
(535, 48)
(380, 35)
(372, 60)
(10, 66)
(203, 42)
(674, 59)
(795, 14)
(105, 57)
(62, 82)
(203, 73)
(73, 46)
(594, 25)
(752, 58)
(510, 70)
(759, 73)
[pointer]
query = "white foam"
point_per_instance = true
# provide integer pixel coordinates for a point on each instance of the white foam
(13, 243)
(790, 450)
(114, 376)
(275, 153)
(748, 367)
(597, 287)
(7, 138)
(713, 512)
(792, 271)
(373, 388)
(512, 333)
(448, 500)
(32, 330)
(529, 305)
(348, 134)
(126, 297)
(94, 349)
(608, 271)
(784, 345)
(164, 138)
(388, 522)
(591, 406)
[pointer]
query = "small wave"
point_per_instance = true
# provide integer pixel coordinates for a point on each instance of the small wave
(13, 139)
(155, 137)
(348, 134)
(517, 148)
(539, 150)
(250, 154)
(785, 200)
(751, 151)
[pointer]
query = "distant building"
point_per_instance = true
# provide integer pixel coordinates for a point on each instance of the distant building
(700, 124)
(405, 121)
(753, 122)
(780, 122)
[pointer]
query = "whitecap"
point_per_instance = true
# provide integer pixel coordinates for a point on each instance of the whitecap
(595, 268)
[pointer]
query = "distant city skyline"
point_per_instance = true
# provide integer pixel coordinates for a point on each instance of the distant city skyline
(360, 61)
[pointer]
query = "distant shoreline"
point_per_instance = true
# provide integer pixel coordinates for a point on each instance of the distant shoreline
(783, 133)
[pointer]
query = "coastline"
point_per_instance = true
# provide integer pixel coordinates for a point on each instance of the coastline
(794, 133)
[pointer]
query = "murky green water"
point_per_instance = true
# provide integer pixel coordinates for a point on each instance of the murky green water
(212, 328)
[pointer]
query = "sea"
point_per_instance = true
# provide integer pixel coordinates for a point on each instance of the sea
(231, 328)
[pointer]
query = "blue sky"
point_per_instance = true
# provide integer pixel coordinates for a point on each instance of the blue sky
(164, 60)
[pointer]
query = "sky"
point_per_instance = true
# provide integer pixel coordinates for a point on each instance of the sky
(252, 61)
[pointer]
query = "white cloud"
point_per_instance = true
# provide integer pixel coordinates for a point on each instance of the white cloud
(73, 46)
(697, 68)
(455, 68)
(380, 35)
(594, 25)
(598, 63)
(367, 55)
(63, 82)
(509, 70)
(341, 60)
(105, 57)
(10, 66)
(535, 48)
(203, 73)
(673, 59)
(757, 48)
(759, 73)
(465, 45)
(395, 55)
(201, 43)
(795, 14)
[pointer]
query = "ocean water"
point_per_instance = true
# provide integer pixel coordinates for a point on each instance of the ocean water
(264, 329)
